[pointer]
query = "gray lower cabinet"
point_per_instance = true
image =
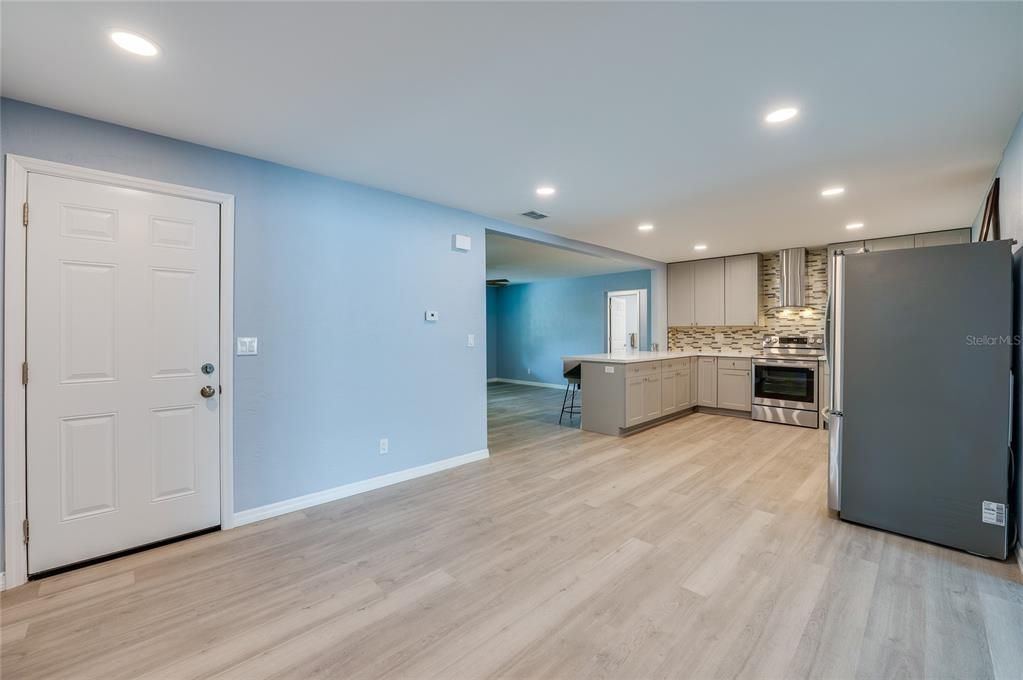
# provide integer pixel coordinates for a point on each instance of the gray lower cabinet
(642, 392)
(634, 392)
(652, 397)
(676, 386)
(734, 389)
(669, 392)
(620, 397)
(707, 382)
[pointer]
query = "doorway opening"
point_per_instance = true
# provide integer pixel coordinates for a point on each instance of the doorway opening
(544, 305)
(626, 320)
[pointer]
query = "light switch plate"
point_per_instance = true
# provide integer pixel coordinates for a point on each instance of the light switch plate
(247, 346)
(470, 341)
(609, 369)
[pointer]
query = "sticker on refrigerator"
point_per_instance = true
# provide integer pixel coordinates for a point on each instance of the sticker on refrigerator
(993, 513)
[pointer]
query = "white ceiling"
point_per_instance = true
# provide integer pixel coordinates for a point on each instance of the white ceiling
(636, 112)
(522, 261)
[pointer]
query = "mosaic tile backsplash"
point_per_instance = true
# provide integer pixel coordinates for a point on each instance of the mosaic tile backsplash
(748, 338)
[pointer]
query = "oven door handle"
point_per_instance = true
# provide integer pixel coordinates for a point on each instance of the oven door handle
(811, 365)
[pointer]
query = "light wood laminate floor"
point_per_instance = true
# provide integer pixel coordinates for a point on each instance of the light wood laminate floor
(699, 549)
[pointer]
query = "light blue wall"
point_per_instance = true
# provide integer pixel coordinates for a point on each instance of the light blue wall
(491, 333)
(538, 323)
(333, 278)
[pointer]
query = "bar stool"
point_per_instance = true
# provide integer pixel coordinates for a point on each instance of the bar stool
(574, 376)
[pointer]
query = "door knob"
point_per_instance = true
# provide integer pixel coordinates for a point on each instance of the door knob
(208, 391)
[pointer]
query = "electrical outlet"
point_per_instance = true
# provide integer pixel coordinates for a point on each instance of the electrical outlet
(384, 446)
(470, 341)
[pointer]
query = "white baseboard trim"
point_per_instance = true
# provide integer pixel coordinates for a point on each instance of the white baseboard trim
(3, 581)
(338, 492)
(553, 386)
(1019, 557)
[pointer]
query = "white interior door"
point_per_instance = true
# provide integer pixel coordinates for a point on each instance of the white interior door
(122, 312)
(618, 328)
(624, 320)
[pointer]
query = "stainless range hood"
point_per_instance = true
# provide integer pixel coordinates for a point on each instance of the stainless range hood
(791, 279)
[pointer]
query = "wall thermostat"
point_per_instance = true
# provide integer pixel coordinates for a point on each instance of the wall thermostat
(462, 242)
(431, 316)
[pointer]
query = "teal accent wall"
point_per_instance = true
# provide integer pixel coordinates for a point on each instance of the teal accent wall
(538, 323)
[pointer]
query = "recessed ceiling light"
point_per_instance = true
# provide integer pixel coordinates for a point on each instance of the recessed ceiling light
(136, 44)
(545, 191)
(854, 225)
(781, 115)
(832, 191)
(645, 227)
(700, 246)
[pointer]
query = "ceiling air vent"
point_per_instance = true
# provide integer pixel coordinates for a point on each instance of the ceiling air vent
(534, 215)
(497, 283)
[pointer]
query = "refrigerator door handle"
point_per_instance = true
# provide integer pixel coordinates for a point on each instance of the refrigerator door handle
(827, 329)
(835, 461)
(836, 360)
(836, 365)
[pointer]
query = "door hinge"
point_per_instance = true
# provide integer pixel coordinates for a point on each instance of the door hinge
(24, 529)
(24, 373)
(24, 214)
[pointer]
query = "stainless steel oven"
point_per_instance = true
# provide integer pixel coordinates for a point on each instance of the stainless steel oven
(786, 381)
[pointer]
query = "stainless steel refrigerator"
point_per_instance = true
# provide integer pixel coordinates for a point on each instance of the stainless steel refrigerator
(920, 347)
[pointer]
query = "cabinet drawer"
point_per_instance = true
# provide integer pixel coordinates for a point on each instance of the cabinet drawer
(737, 364)
(645, 368)
(674, 364)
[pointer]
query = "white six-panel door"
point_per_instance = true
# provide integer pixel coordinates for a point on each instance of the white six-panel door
(122, 312)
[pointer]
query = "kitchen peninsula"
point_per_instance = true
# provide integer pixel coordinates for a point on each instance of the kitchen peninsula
(629, 391)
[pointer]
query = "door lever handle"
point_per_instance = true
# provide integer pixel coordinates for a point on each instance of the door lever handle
(208, 391)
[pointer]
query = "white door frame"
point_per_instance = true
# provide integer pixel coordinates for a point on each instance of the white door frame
(642, 292)
(14, 452)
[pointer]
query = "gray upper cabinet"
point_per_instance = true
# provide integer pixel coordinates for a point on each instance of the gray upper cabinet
(890, 243)
(709, 287)
(943, 238)
(931, 238)
(681, 289)
(742, 290)
(723, 291)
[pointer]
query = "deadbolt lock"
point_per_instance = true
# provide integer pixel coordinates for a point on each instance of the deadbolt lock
(207, 368)
(208, 391)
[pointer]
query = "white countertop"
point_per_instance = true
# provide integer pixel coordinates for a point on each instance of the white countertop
(635, 357)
